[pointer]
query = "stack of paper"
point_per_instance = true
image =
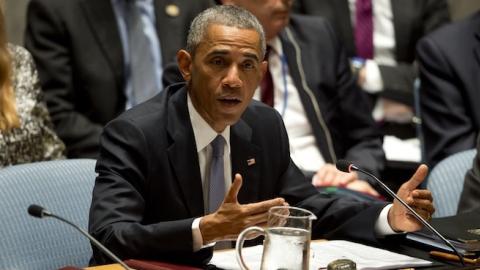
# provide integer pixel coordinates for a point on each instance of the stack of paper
(322, 253)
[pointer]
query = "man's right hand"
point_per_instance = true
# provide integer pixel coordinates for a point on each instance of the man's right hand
(232, 218)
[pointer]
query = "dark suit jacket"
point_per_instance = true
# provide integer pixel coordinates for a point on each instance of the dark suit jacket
(78, 52)
(342, 125)
(335, 107)
(149, 190)
(470, 196)
(449, 61)
(412, 19)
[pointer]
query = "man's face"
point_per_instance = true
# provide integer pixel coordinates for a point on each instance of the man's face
(223, 73)
(272, 14)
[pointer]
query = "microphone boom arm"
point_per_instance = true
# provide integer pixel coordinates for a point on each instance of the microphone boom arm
(410, 209)
(93, 240)
(40, 212)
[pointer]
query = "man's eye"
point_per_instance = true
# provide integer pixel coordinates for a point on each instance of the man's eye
(248, 65)
(217, 61)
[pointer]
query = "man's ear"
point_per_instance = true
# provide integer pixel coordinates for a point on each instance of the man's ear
(263, 68)
(184, 60)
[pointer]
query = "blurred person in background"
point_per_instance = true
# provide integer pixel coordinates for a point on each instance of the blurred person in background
(380, 38)
(470, 196)
(449, 61)
(97, 58)
(26, 131)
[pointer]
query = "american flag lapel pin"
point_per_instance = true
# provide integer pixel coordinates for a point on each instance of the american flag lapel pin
(250, 161)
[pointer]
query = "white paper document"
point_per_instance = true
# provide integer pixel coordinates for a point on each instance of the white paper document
(322, 253)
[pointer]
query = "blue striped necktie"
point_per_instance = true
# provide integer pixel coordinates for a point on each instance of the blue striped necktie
(217, 175)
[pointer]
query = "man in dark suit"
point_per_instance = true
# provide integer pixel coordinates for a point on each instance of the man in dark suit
(449, 61)
(398, 25)
(153, 198)
(80, 49)
(470, 196)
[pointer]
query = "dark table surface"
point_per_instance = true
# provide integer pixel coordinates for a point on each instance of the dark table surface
(403, 246)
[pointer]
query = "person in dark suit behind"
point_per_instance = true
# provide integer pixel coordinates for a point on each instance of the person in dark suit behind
(153, 197)
(470, 196)
(388, 71)
(449, 61)
(87, 61)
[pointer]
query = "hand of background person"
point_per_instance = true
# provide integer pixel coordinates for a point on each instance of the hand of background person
(420, 200)
(397, 112)
(329, 175)
(363, 187)
(232, 218)
(361, 76)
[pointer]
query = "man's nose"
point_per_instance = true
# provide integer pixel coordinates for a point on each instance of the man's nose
(232, 78)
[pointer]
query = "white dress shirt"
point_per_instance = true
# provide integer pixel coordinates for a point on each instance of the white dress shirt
(383, 42)
(303, 148)
(204, 135)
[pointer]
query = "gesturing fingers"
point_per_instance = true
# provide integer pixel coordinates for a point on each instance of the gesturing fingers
(420, 204)
(232, 193)
(417, 178)
(421, 200)
(264, 206)
(422, 194)
(423, 213)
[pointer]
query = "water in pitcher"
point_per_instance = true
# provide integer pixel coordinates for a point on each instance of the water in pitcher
(286, 248)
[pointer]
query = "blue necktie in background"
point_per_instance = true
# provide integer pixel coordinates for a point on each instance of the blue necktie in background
(217, 175)
(142, 65)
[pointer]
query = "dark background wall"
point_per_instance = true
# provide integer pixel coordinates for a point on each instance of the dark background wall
(16, 9)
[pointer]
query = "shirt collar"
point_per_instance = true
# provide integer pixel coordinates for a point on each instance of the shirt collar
(276, 45)
(204, 133)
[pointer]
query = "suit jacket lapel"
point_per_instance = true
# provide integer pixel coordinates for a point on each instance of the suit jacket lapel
(402, 21)
(476, 49)
(182, 153)
(477, 45)
(245, 161)
(289, 51)
(103, 23)
(345, 25)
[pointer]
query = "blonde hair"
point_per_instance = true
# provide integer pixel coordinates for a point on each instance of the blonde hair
(8, 112)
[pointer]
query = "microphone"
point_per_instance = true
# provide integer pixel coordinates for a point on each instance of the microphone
(40, 212)
(347, 166)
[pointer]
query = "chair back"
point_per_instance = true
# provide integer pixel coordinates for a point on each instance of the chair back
(446, 181)
(62, 186)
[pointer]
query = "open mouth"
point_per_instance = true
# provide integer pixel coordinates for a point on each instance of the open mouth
(229, 101)
(281, 13)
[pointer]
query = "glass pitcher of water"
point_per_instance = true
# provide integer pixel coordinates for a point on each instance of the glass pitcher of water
(287, 239)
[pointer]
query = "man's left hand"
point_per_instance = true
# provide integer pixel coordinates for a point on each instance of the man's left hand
(420, 200)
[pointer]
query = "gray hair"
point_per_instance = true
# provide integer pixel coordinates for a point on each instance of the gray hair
(227, 15)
